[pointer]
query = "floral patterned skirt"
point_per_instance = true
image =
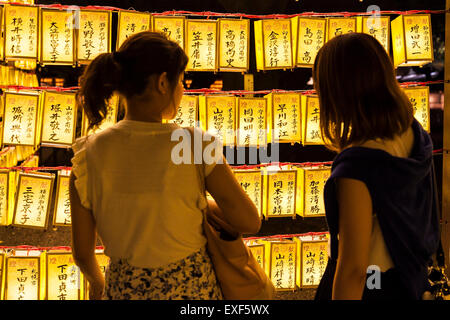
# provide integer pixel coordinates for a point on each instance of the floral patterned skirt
(192, 278)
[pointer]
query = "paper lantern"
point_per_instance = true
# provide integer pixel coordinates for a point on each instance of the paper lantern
(412, 42)
(187, 113)
(59, 119)
(2, 48)
(62, 214)
(282, 263)
(377, 27)
(312, 252)
(34, 193)
(8, 156)
(64, 280)
(234, 44)
(2, 268)
(339, 26)
(112, 110)
(258, 251)
(57, 37)
(419, 97)
(21, 114)
(201, 45)
(103, 262)
(273, 44)
(309, 35)
(285, 117)
(279, 193)
(22, 278)
(310, 186)
(311, 120)
(21, 32)
(253, 184)
(252, 122)
(4, 193)
(172, 27)
(218, 117)
(131, 23)
(31, 162)
(94, 36)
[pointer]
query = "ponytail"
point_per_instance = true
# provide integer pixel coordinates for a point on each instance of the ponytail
(97, 85)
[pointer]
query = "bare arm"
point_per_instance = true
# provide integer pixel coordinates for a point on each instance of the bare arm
(84, 237)
(355, 228)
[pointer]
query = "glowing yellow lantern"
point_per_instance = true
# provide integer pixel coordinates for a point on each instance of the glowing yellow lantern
(285, 117)
(21, 32)
(252, 122)
(172, 27)
(279, 193)
(377, 27)
(201, 45)
(94, 36)
(257, 249)
(419, 97)
(4, 193)
(57, 37)
(187, 114)
(253, 184)
(34, 192)
(273, 44)
(311, 120)
(64, 280)
(312, 252)
(310, 186)
(339, 26)
(22, 278)
(112, 110)
(218, 117)
(412, 42)
(234, 44)
(62, 215)
(103, 262)
(59, 119)
(20, 118)
(2, 273)
(31, 162)
(2, 48)
(131, 23)
(309, 35)
(282, 263)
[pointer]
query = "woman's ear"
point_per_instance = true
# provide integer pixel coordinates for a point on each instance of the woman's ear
(162, 84)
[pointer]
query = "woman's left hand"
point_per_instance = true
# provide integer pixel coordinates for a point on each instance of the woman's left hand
(96, 290)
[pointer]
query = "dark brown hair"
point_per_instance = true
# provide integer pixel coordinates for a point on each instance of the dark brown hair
(127, 71)
(360, 98)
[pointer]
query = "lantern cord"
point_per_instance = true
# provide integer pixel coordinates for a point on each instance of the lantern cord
(209, 14)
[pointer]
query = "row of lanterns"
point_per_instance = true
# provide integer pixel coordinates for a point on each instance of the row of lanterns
(76, 36)
(290, 263)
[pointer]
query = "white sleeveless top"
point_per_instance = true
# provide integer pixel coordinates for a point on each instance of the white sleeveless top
(146, 207)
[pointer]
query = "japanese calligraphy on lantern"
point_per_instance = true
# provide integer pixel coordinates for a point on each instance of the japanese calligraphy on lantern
(218, 117)
(20, 118)
(311, 35)
(21, 32)
(252, 183)
(34, 192)
(412, 40)
(187, 113)
(201, 45)
(257, 251)
(112, 110)
(313, 258)
(172, 27)
(2, 45)
(339, 26)
(252, 122)
(94, 35)
(57, 37)
(234, 44)
(131, 23)
(59, 119)
(280, 193)
(63, 281)
(282, 264)
(273, 44)
(4, 194)
(62, 215)
(311, 120)
(419, 98)
(310, 186)
(378, 27)
(22, 278)
(285, 117)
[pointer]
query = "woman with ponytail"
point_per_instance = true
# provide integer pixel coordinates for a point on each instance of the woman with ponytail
(125, 186)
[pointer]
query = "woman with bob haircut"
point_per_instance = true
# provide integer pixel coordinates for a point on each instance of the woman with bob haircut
(379, 198)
